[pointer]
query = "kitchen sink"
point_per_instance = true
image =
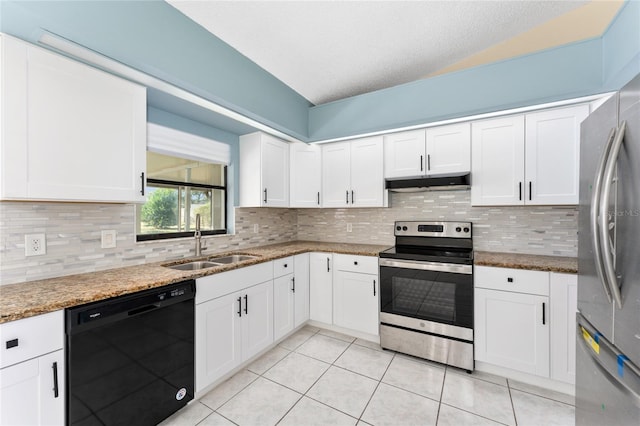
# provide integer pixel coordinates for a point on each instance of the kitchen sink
(234, 258)
(194, 266)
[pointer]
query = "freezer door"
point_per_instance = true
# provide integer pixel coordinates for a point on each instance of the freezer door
(595, 132)
(627, 319)
(607, 386)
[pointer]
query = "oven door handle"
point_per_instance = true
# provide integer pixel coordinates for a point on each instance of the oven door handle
(427, 266)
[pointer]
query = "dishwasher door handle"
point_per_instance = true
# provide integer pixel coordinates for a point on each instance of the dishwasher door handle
(143, 309)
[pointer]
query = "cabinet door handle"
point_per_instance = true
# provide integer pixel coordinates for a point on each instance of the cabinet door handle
(240, 307)
(421, 163)
(143, 182)
(529, 190)
(55, 380)
(265, 196)
(509, 279)
(328, 269)
(544, 320)
(352, 199)
(347, 192)
(374, 287)
(285, 265)
(246, 304)
(520, 191)
(293, 284)
(14, 343)
(318, 197)
(355, 262)
(428, 162)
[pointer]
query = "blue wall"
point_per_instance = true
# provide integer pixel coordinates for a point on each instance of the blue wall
(156, 38)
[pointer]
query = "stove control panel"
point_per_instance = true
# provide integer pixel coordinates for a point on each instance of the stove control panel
(433, 229)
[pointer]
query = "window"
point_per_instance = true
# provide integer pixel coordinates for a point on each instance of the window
(179, 189)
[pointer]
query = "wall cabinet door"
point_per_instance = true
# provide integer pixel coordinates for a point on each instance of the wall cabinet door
(367, 182)
(27, 395)
(257, 319)
(404, 154)
(264, 171)
(512, 330)
(301, 289)
(497, 170)
(336, 174)
(564, 305)
(321, 287)
(283, 305)
(306, 175)
(218, 338)
(70, 131)
(552, 155)
(356, 301)
(448, 149)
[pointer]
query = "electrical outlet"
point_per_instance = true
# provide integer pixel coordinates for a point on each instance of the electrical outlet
(349, 227)
(256, 228)
(35, 244)
(108, 239)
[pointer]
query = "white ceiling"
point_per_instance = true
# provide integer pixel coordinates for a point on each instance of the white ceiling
(329, 50)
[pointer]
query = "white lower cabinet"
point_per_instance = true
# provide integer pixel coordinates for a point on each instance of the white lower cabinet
(512, 319)
(355, 293)
(291, 296)
(32, 371)
(321, 287)
(564, 305)
(233, 326)
(301, 289)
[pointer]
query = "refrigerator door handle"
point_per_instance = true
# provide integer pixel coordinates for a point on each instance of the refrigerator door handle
(595, 209)
(605, 245)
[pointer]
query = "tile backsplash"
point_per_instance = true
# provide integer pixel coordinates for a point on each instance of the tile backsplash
(73, 231)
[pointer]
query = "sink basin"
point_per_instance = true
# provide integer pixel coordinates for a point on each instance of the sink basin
(194, 266)
(234, 258)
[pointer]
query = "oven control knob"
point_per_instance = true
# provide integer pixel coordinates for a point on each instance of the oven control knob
(458, 229)
(398, 228)
(404, 228)
(466, 229)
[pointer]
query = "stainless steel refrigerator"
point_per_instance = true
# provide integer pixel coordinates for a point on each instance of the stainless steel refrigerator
(608, 321)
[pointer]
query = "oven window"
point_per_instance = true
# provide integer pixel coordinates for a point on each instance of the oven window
(434, 296)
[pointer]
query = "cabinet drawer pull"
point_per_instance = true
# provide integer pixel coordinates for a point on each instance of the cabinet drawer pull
(355, 262)
(55, 379)
(143, 182)
(509, 280)
(14, 343)
(285, 265)
(246, 304)
(240, 307)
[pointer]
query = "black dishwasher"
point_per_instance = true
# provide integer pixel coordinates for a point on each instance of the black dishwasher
(130, 358)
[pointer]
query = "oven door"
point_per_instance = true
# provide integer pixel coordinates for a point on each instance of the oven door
(430, 297)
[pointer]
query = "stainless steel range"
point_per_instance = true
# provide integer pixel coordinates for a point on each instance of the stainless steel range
(426, 292)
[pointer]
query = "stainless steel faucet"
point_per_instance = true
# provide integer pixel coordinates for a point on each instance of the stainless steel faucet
(198, 236)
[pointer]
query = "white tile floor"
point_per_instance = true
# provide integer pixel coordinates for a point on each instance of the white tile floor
(319, 377)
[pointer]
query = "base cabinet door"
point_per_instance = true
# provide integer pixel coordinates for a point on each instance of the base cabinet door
(283, 305)
(218, 338)
(301, 289)
(512, 330)
(32, 392)
(321, 287)
(257, 319)
(355, 301)
(564, 305)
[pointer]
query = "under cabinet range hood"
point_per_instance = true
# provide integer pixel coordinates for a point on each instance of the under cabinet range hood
(461, 181)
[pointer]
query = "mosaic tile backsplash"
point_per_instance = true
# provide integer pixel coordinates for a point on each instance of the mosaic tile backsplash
(73, 231)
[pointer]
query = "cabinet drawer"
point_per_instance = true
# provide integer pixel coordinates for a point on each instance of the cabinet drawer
(217, 285)
(31, 337)
(282, 266)
(351, 263)
(514, 280)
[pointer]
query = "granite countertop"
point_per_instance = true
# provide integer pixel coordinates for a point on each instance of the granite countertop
(527, 261)
(23, 300)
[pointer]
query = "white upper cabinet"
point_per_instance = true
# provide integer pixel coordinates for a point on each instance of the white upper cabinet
(497, 170)
(70, 131)
(434, 151)
(306, 175)
(352, 174)
(552, 155)
(530, 159)
(264, 171)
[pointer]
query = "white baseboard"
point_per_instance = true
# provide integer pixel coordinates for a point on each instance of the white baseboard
(531, 379)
